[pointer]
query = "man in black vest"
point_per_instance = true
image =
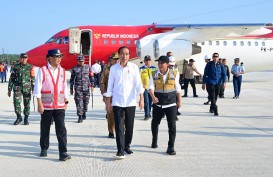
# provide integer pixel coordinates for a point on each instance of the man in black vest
(165, 91)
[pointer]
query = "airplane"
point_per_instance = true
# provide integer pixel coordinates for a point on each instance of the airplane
(253, 43)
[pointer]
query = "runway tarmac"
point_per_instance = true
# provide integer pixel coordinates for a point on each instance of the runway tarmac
(239, 142)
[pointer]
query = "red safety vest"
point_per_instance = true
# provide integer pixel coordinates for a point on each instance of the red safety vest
(53, 93)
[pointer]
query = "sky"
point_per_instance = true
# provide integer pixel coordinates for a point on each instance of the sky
(26, 24)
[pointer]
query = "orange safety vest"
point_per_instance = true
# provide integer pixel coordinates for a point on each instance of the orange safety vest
(2, 68)
(53, 93)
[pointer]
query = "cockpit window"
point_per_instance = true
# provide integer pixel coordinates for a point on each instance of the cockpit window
(51, 40)
(55, 40)
(65, 41)
(59, 40)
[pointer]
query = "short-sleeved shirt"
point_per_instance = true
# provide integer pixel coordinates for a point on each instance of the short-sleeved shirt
(189, 71)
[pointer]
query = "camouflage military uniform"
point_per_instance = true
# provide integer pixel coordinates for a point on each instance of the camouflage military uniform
(21, 83)
(81, 81)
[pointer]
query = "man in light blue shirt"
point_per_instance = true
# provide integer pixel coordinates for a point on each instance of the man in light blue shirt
(237, 71)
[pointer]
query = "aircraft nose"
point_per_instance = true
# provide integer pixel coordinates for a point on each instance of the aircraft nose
(37, 56)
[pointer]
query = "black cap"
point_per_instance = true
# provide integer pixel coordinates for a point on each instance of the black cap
(147, 57)
(163, 58)
(191, 60)
(80, 58)
(23, 55)
(54, 52)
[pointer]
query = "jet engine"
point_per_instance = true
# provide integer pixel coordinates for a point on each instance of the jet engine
(180, 48)
(145, 47)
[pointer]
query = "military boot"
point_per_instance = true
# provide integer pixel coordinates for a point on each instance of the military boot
(26, 120)
(84, 116)
(18, 120)
(80, 119)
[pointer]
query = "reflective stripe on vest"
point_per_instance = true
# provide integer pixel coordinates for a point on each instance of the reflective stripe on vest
(53, 93)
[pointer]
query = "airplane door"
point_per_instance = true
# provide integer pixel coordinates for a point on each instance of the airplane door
(86, 45)
(74, 40)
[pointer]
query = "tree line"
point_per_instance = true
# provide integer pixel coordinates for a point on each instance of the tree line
(9, 58)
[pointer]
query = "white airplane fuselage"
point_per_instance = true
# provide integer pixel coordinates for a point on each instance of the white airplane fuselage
(256, 54)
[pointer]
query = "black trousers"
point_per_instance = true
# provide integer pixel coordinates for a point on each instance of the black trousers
(222, 91)
(213, 91)
(186, 83)
(97, 80)
(58, 116)
(209, 99)
(124, 140)
(157, 116)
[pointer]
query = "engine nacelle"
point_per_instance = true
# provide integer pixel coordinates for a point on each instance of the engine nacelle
(180, 48)
(145, 47)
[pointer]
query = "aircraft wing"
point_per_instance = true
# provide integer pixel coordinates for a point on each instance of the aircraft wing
(205, 32)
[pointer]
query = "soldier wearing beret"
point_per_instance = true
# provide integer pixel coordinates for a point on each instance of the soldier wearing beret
(22, 83)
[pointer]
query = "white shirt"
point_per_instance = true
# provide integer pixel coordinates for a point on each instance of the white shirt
(124, 84)
(39, 80)
(96, 68)
(177, 85)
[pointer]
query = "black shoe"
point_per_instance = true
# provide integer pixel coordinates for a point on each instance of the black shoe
(211, 110)
(235, 97)
(171, 151)
(176, 119)
(18, 120)
(64, 156)
(119, 156)
(216, 113)
(206, 103)
(80, 119)
(195, 96)
(178, 113)
(84, 116)
(26, 120)
(128, 151)
(43, 153)
(111, 135)
(185, 96)
(221, 97)
(154, 145)
(146, 118)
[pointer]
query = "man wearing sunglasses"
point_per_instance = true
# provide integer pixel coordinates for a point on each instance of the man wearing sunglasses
(52, 98)
(82, 79)
(214, 77)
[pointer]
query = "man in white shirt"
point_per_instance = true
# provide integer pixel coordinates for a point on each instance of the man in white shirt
(165, 91)
(123, 85)
(96, 69)
(51, 92)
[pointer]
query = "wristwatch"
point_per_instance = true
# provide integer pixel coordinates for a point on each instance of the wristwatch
(66, 102)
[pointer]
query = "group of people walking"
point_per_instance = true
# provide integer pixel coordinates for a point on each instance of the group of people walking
(121, 81)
